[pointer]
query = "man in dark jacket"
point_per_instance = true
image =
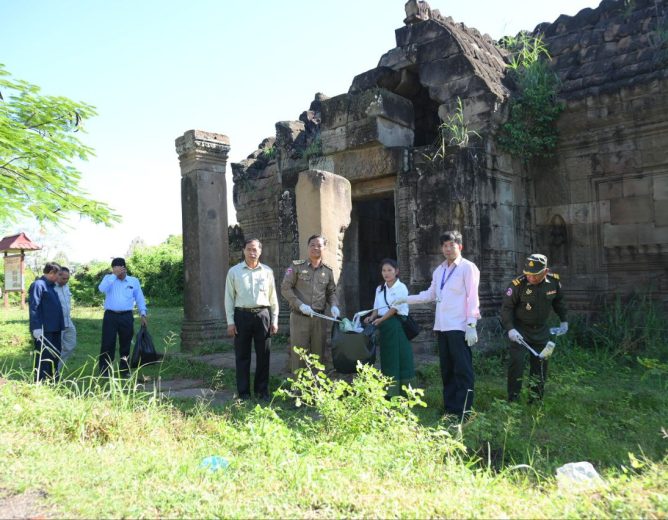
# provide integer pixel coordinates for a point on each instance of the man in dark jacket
(46, 322)
(525, 310)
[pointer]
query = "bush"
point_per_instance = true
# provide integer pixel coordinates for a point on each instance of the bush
(160, 271)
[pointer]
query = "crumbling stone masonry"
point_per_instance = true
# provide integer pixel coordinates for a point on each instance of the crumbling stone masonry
(598, 208)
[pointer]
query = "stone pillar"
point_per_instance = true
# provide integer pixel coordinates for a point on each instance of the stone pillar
(203, 157)
(324, 203)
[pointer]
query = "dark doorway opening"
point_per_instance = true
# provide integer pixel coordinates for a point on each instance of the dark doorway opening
(370, 238)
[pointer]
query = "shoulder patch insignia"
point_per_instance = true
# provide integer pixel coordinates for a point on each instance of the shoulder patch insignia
(516, 282)
(553, 275)
(298, 262)
(509, 292)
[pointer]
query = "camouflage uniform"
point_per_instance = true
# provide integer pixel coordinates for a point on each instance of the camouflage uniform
(303, 283)
(526, 308)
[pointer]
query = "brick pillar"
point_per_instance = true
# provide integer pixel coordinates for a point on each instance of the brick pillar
(203, 157)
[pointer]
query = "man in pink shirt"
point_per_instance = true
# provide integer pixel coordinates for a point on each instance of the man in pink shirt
(454, 287)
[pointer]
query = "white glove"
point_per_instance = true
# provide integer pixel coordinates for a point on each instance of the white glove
(335, 312)
(400, 301)
(563, 328)
(513, 335)
(306, 309)
(471, 336)
(37, 333)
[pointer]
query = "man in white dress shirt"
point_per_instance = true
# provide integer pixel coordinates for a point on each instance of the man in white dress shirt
(454, 287)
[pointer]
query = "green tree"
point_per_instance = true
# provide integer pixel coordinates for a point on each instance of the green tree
(39, 140)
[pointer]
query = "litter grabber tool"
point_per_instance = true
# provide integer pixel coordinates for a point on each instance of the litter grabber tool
(544, 354)
(324, 317)
(361, 314)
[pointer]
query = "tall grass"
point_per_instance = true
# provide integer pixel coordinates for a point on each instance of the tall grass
(101, 449)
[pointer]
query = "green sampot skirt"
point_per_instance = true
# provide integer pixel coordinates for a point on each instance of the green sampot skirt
(396, 352)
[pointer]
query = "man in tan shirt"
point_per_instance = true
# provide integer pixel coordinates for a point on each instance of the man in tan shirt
(309, 287)
(251, 305)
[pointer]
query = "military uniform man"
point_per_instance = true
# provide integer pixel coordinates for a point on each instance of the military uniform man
(308, 286)
(524, 313)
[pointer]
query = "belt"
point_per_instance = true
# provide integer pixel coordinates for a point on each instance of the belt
(252, 310)
(117, 312)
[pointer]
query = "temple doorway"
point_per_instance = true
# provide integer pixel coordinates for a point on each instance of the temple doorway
(370, 238)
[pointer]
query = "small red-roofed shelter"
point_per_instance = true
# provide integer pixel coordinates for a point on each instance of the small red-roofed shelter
(15, 263)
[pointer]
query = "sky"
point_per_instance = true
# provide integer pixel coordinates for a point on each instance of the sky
(155, 69)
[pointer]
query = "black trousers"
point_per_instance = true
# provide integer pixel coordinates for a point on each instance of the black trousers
(456, 371)
(252, 328)
(114, 325)
(537, 371)
(47, 356)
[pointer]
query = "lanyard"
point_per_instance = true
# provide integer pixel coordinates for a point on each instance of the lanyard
(444, 280)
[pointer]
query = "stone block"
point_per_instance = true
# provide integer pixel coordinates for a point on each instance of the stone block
(347, 108)
(620, 235)
(610, 190)
(580, 191)
(650, 234)
(438, 72)
(380, 77)
(399, 57)
(324, 204)
(437, 49)
(604, 211)
(333, 140)
(631, 210)
(661, 212)
(636, 186)
(419, 33)
(364, 163)
(660, 187)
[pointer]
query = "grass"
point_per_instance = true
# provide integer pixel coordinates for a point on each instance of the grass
(109, 451)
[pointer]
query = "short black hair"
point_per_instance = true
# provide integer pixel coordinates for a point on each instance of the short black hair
(451, 236)
(389, 261)
(120, 262)
(318, 235)
(246, 242)
(51, 267)
(63, 268)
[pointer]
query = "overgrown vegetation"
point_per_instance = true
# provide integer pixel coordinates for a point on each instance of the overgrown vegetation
(314, 148)
(531, 130)
(159, 269)
(345, 450)
(453, 131)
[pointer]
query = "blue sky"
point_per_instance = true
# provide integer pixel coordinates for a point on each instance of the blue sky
(155, 69)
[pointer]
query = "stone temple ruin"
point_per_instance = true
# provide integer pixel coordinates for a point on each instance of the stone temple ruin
(598, 208)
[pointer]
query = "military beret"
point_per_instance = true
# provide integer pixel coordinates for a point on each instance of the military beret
(535, 264)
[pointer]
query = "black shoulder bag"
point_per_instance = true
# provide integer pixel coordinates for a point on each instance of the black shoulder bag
(410, 326)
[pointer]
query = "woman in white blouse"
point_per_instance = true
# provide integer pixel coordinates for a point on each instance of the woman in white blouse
(396, 352)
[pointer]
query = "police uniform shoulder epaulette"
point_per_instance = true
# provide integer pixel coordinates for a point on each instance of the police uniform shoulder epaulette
(518, 280)
(299, 262)
(553, 275)
(327, 266)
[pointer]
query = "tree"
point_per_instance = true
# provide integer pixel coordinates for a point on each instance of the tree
(39, 139)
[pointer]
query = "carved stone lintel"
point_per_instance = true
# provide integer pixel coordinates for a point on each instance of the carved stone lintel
(202, 142)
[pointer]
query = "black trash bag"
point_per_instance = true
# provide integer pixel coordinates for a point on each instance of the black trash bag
(144, 352)
(350, 347)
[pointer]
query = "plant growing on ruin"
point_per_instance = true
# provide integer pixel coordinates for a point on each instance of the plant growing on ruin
(453, 131)
(269, 153)
(531, 129)
(314, 149)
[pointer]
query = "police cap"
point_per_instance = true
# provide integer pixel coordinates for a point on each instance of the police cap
(535, 264)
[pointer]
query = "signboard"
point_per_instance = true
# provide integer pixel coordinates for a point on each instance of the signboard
(13, 274)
